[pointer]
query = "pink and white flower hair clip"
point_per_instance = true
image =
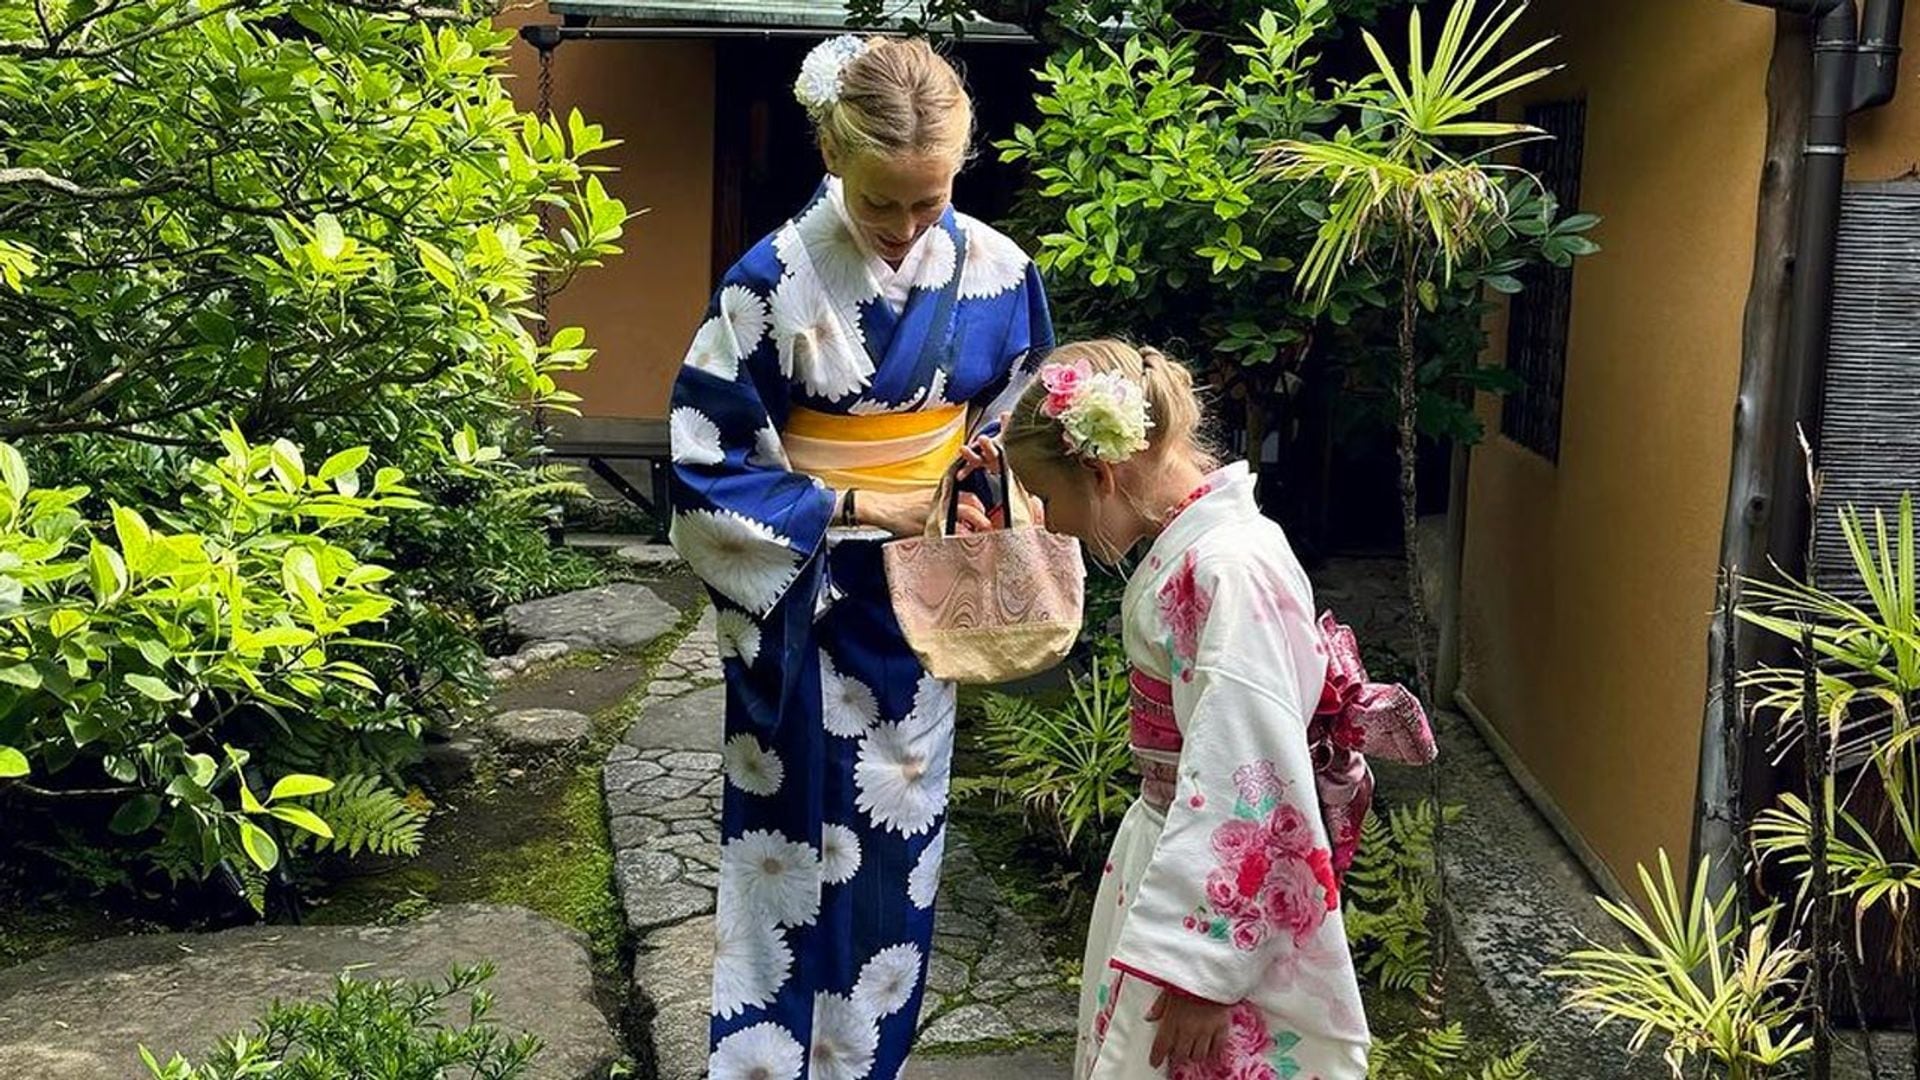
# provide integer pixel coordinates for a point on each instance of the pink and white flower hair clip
(1103, 416)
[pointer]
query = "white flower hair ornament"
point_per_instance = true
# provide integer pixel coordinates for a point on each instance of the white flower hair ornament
(822, 71)
(1102, 417)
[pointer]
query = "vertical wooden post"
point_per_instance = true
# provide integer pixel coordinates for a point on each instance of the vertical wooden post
(1763, 360)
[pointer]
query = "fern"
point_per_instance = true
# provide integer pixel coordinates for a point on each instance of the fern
(1515, 1066)
(366, 816)
(1390, 893)
(325, 746)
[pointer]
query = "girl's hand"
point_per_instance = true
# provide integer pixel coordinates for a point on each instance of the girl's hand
(1189, 1030)
(905, 514)
(983, 454)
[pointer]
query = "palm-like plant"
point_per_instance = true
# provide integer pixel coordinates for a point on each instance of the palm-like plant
(1400, 190)
(1071, 764)
(1713, 991)
(1867, 684)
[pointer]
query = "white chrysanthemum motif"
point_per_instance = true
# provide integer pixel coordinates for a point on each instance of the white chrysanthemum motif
(695, 438)
(902, 771)
(936, 262)
(738, 635)
(818, 84)
(752, 767)
(923, 883)
(819, 344)
(745, 313)
(773, 880)
(887, 981)
(748, 562)
(839, 263)
(712, 352)
(761, 1052)
(844, 1039)
(994, 263)
(839, 854)
(768, 451)
(848, 707)
(751, 962)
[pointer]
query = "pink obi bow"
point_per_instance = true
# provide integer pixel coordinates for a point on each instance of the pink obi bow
(1357, 717)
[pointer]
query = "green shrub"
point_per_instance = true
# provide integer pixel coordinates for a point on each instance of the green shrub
(143, 663)
(318, 222)
(1071, 765)
(486, 546)
(382, 1030)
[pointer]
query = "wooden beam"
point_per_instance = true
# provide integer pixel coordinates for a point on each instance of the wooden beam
(1756, 438)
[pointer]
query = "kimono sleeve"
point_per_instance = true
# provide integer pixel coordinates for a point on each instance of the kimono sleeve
(744, 521)
(1242, 871)
(1023, 347)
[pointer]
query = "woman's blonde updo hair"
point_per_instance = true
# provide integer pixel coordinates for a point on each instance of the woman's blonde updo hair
(1035, 440)
(899, 98)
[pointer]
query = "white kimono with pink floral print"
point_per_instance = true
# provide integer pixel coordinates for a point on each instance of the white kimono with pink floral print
(1220, 884)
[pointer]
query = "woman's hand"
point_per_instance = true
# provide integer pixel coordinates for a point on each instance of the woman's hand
(1189, 1029)
(905, 513)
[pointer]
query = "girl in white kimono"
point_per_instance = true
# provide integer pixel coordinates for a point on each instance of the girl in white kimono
(1217, 949)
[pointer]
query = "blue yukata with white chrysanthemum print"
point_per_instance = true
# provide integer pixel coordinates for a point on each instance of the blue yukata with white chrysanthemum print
(837, 745)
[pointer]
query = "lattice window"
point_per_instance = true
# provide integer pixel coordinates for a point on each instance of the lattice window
(1540, 313)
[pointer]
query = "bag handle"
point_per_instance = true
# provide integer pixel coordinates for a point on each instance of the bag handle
(946, 503)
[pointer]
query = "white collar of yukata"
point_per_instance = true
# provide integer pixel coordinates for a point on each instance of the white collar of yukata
(1227, 489)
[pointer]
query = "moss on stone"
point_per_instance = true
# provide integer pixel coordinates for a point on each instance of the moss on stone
(566, 871)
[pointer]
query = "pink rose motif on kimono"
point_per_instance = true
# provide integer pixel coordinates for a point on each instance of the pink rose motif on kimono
(1251, 1052)
(1184, 606)
(1271, 879)
(1259, 785)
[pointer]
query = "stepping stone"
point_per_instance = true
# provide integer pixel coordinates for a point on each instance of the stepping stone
(692, 721)
(83, 1013)
(502, 668)
(611, 618)
(538, 732)
(649, 556)
(449, 764)
(673, 970)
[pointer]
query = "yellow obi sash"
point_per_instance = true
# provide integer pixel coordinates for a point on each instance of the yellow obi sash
(886, 452)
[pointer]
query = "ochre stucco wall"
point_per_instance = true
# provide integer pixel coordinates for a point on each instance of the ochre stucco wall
(1589, 583)
(642, 307)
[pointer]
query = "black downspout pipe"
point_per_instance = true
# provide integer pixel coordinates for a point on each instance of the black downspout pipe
(1856, 67)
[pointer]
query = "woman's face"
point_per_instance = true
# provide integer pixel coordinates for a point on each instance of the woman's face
(894, 199)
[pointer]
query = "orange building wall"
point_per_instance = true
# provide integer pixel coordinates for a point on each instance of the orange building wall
(642, 307)
(1589, 584)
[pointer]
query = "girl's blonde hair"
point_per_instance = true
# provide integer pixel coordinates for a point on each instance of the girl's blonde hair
(1036, 440)
(899, 98)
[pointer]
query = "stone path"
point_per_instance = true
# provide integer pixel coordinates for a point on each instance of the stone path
(83, 1013)
(991, 979)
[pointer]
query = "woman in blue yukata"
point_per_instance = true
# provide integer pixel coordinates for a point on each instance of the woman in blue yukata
(848, 361)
